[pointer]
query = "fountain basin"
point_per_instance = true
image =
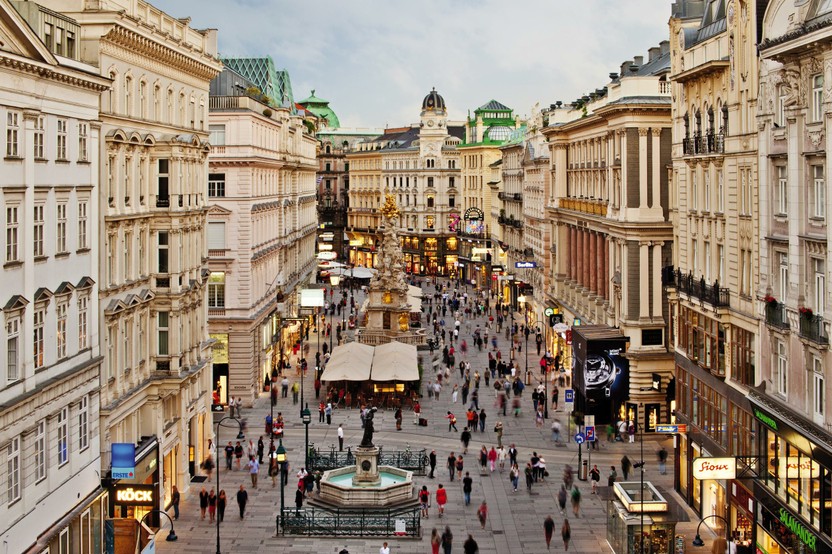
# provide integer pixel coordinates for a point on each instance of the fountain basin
(394, 486)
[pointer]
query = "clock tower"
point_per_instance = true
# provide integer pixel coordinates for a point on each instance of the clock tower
(433, 126)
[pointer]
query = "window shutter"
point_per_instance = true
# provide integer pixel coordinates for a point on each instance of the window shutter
(216, 236)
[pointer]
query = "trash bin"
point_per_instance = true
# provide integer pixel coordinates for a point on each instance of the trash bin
(583, 471)
(528, 377)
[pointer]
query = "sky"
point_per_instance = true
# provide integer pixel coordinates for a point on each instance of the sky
(375, 60)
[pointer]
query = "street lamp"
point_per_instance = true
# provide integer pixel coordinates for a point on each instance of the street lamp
(306, 417)
(240, 436)
(697, 541)
(172, 535)
(334, 280)
(280, 456)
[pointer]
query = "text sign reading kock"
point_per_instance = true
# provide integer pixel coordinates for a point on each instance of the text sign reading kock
(714, 468)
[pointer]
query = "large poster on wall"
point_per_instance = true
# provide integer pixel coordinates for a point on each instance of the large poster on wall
(600, 371)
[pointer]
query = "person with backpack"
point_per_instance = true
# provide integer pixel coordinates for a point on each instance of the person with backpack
(424, 501)
(451, 422)
(594, 476)
(576, 501)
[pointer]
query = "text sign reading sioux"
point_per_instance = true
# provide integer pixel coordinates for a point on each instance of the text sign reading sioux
(714, 468)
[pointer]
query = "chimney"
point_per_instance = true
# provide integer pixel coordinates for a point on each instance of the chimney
(625, 68)
(638, 60)
(613, 76)
(653, 53)
(665, 46)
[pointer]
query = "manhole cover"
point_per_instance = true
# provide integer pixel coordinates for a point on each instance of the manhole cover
(497, 532)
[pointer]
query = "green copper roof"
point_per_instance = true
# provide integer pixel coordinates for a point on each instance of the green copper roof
(321, 109)
(516, 136)
(493, 106)
(498, 124)
(271, 81)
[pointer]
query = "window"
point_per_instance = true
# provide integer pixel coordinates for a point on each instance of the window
(60, 312)
(63, 542)
(59, 41)
(783, 276)
(430, 222)
(83, 321)
(708, 261)
(818, 399)
(782, 365)
(742, 360)
(111, 351)
(721, 269)
(745, 271)
(37, 231)
(40, 451)
(694, 192)
(163, 252)
(37, 335)
(780, 118)
(12, 233)
(162, 325)
(48, 33)
(216, 185)
(327, 167)
(694, 257)
(430, 201)
(127, 343)
(782, 202)
(60, 245)
(745, 200)
(143, 99)
(127, 251)
(707, 190)
(70, 44)
(63, 435)
(162, 194)
(216, 135)
(12, 134)
(720, 191)
(451, 202)
(13, 470)
(12, 349)
(82, 142)
(216, 290)
(128, 90)
(82, 225)
(818, 192)
(820, 285)
(216, 235)
(39, 128)
(60, 152)
(430, 182)
(817, 97)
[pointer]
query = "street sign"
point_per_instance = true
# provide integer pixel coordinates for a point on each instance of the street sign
(580, 438)
(568, 395)
(217, 408)
(589, 420)
(589, 431)
(672, 429)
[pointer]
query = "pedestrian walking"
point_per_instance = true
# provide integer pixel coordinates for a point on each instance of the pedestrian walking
(631, 431)
(501, 457)
(612, 477)
(203, 502)
(529, 471)
(451, 421)
(467, 487)
(384, 549)
(222, 501)
(441, 499)
(566, 534)
(514, 475)
(465, 439)
(424, 501)
(174, 500)
(562, 499)
(261, 449)
(498, 428)
(242, 500)
(328, 413)
(298, 501)
(274, 471)
(340, 437)
(452, 464)
(435, 541)
(576, 501)
(470, 546)
(626, 465)
(492, 459)
(254, 471)
(432, 462)
(447, 540)
(212, 505)
(483, 459)
(482, 514)
(662, 455)
(229, 455)
(482, 420)
(594, 476)
(238, 453)
(548, 530)
(556, 431)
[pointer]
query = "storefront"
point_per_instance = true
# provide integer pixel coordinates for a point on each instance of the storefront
(635, 517)
(600, 371)
(794, 488)
(136, 496)
(219, 354)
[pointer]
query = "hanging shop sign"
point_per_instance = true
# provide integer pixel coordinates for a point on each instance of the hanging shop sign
(714, 468)
(135, 495)
(123, 456)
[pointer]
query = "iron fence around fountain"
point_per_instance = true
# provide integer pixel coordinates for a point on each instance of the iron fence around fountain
(411, 460)
(351, 522)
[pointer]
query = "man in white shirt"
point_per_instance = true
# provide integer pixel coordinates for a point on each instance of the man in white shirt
(384, 549)
(340, 437)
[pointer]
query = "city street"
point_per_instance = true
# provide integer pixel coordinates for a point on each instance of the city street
(515, 521)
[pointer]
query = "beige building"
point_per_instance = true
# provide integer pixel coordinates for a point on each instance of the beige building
(156, 375)
(261, 230)
(49, 341)
(714, 202)
(609, 218)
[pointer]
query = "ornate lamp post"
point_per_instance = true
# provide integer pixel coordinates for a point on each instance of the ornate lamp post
(334, 280)
(697, 541)
(280, 456)
(240, 436)
(306, 417)
(172, 535)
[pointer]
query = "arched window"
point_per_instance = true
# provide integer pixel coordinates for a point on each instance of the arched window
(128, 86)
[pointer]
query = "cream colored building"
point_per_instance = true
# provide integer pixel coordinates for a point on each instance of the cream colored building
(611, 235)
(156, 376)
(49, 340)
(261, 230)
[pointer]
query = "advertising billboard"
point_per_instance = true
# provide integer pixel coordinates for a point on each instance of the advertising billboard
(600, 371)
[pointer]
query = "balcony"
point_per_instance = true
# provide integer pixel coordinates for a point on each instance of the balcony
(699, 289)
(701, 145)
(510, 196)
(812, 328)
(591, 206)
(776, 315)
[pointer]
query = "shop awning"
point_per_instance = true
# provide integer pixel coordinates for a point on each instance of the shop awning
(395, 361)
(349, 362)
(414, 298)
(354, 272)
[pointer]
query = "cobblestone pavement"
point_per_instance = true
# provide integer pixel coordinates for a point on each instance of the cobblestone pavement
(515, 521)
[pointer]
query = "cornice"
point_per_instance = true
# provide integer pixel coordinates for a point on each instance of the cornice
(135, 42)
(47, 72)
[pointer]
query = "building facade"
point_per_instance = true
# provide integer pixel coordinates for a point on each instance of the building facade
(261, 230)
(713, 282)
(156, 376)
(49, 429)
(609, 217)
(792, 404)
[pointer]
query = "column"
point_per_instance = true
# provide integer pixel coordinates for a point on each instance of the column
(642, 168)
(584, 253)
(657, 279)
(657, 168)
(603, 253)
(621, 141)
(643, 282)
(593, 262)
(579, 259)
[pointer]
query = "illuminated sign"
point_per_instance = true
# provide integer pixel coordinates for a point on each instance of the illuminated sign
(714, 468)
(765, 418)
(525, 265)
(123, 456)
(136, 495)
(798, 468)
(805, 536)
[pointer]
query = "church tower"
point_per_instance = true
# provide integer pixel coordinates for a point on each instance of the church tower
(433, 128)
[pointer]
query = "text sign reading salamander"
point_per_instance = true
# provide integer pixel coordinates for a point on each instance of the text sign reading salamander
(714, 468)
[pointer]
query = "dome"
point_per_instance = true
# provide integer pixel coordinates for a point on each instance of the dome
(433, 101)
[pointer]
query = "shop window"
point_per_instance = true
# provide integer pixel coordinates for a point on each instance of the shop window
(430, 222)
(742, 358)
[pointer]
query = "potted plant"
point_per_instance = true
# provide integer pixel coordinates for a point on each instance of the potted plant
(770, 300)
(806, 312)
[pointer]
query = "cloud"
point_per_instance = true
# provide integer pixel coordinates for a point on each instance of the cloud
(374, 60)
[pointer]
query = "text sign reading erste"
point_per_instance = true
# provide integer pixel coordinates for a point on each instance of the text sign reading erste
(714, 468)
